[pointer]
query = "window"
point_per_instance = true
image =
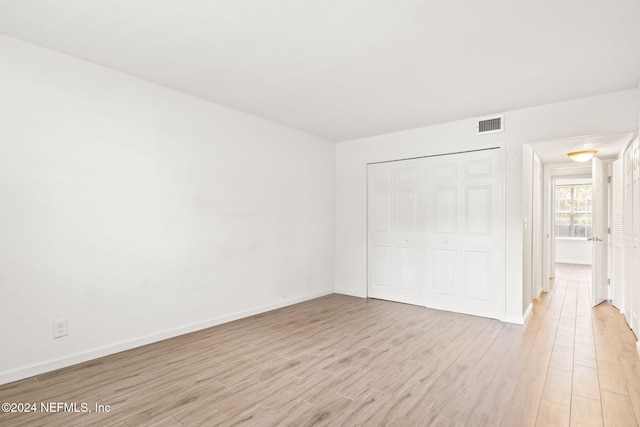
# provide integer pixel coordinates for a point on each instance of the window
(573, 210)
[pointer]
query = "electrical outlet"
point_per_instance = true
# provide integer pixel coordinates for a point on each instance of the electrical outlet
(60, 328)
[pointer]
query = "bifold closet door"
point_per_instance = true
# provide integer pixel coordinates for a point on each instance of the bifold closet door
(464, 243)
(395, 243)
(435, 232)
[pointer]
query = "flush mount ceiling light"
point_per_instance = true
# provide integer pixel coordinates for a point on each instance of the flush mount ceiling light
(582, 156)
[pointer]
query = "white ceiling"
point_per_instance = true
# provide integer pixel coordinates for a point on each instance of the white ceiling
(608, 146)
(345, 69)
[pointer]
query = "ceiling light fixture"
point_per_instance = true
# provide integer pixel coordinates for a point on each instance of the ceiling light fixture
(582, 156)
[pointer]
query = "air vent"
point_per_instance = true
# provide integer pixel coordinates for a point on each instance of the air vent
(490, 124)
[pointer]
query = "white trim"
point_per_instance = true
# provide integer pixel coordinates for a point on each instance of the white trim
(577, 239)
(433, 151)
(351, 293)
(520, 320)
(572, 261)
(638, 347)
(527, 313)
(539, 293)
(365, 212)
(62, 362)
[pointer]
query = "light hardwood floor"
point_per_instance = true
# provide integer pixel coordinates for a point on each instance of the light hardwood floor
(340, 360)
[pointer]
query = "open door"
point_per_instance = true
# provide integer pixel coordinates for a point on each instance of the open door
(599, 280)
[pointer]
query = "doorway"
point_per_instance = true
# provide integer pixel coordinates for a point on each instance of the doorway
(559, 171)
(573, 227)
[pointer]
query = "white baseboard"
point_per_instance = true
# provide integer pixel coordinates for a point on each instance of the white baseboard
(350, 293)
(573, 261)
(51, 365)
(520, 320)
(638, 347)
(527, 313)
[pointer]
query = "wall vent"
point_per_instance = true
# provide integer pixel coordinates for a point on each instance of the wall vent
(490, 124)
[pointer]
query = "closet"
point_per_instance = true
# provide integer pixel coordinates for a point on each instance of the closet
(435, 232)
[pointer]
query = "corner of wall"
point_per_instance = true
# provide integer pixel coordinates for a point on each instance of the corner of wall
(350, 292)
(520, 320)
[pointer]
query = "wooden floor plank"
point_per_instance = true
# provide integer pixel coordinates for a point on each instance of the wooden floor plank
(617, 409)
(553, 414)
(340, 360)
(585, 412)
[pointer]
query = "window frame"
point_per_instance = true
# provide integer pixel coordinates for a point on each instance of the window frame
(573, 214)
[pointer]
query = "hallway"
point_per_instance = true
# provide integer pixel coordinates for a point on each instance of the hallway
(588, 356)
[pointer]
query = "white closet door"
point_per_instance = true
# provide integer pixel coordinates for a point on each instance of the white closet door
(395, 243)
(464, 244)
(435, 232)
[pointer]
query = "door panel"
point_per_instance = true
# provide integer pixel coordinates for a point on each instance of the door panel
(478, 276)
(382, 213)
(444, 272)
(408, 258)
(478, 210)
(394, 244)
(382, 261)
(408, 211)
(478, 169)
(463, 253)
(445, 210)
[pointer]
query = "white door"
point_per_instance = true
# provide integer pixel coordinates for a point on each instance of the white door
(536, 225)
(464, 246)
(599, 285)
(635, 212)
(630, 294)
(617, 236)
(395, 245)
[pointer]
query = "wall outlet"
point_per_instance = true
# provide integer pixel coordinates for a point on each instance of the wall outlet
(60, 328)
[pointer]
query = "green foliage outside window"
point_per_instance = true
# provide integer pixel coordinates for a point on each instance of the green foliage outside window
(574, 205)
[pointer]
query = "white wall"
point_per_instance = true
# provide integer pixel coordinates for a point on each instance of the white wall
(573, 251)
(615, 112)
(139, 213)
